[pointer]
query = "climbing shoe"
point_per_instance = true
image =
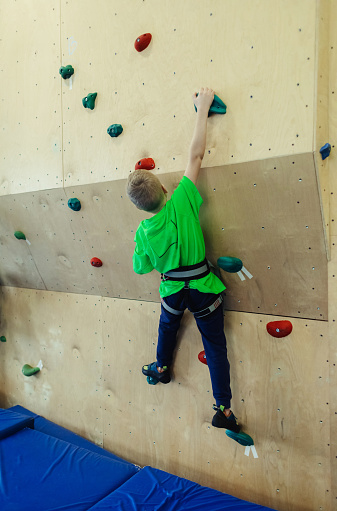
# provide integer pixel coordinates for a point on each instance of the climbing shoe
(221, 421)
(154, 376)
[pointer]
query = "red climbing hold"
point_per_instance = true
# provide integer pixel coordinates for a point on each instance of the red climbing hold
(96, 262)
(279, 328)
(145, 163)
(143, 42)
(202, 357)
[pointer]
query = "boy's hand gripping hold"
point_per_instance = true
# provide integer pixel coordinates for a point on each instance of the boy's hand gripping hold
(202, 101)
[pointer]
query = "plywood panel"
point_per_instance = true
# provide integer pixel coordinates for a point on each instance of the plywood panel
(31, 119)
(280, 390)
(65, 332)
(333, 240)
(246, 54)
(322, 110)
(107, 224)
(268, 214)
(56, 247)
(333, 365)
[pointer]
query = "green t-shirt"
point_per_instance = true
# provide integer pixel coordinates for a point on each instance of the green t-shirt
(173, 238)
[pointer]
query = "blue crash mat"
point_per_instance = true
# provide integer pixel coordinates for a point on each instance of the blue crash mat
(52, 429)
(11, 422)
(154, 490)
(39, 472)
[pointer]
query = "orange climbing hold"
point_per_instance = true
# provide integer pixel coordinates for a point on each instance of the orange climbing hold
(142, 42)
(96, 262)
(202, 357)
(279, 328)
(145, 163)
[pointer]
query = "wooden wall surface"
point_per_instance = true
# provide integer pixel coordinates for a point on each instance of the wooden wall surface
(93, 350)
(268, 62)
(246, 54)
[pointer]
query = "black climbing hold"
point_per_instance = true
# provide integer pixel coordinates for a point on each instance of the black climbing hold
(217, 107)
(89, 100)
(230, 264)
(19, 235)
(74, 204)
(325, 151)
(66, 72)
(3, 338)
(115, 130)
(28, 370)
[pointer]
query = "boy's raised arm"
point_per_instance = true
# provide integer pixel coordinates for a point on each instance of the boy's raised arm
(202, 101)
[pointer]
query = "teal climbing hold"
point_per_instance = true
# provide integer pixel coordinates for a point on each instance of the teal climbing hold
(115, 130)
(230, 264)
(241, 438)
(74, 204)
(217, 107)
(29, 370)
(3, 338)
(152, 381)
(89, 100)
(66, 72)
(19, 235)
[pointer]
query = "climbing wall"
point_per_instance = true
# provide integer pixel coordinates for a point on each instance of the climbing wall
(266, 197)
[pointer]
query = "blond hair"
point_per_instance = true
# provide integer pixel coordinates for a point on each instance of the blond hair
(144, 190)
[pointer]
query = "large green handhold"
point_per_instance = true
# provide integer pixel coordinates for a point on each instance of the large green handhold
(89, 100)
(29, 370)
(115, 130)
(241, 438)
(217, 107)
(66, 72)
(19, 235)
(3, 339)
(230, 264)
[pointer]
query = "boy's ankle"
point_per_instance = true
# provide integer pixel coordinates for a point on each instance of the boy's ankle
(226, 411)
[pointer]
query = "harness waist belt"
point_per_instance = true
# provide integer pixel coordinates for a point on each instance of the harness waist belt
(198, 314)
(187, 273)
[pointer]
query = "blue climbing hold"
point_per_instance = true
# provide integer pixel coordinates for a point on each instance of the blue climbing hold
(325, 151)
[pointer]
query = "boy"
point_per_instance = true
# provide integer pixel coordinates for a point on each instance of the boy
(171, 242)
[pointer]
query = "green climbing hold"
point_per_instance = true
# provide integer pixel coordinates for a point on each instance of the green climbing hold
(74, 204)
(217, 107)
(66, 72)
(115, 130)
(3, 338)
(19, 235)
(230, 264)
(29, 370)
(89, 100)
(241, 438)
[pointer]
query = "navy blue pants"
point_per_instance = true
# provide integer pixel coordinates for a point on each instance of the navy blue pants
(211, 328)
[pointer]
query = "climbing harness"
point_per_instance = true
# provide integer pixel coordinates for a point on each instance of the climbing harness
(187, 273)
(198, 314)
